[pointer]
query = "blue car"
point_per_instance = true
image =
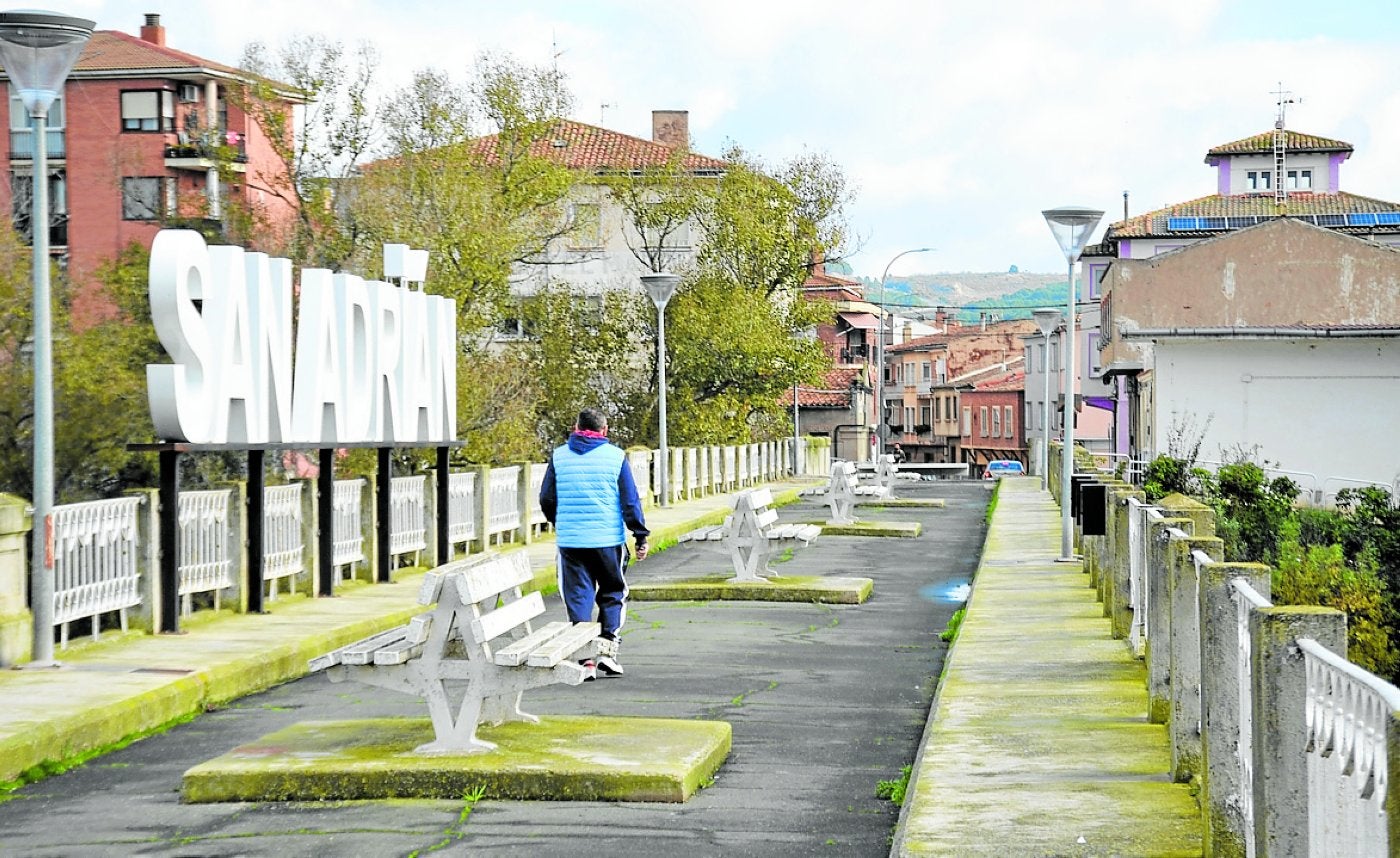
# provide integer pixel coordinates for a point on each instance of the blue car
(1003, 468)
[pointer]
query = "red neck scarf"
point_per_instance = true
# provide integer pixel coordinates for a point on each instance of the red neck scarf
(589, 433)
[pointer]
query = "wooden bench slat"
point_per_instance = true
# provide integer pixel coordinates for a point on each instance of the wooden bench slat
(564, 644)
(398, 652)
(516, 653)
(492, 624)
(362, 652)
(488, 579)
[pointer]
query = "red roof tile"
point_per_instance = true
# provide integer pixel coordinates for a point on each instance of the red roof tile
(1294, 141)
(111, 50)
(587, 147)
(1010, 381)
(835, 391)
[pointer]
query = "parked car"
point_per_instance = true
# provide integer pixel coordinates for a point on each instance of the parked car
(1003, 468)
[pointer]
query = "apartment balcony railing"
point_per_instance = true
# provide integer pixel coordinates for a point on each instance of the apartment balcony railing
(22, 144)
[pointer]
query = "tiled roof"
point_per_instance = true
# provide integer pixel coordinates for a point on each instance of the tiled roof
(110, 50)
(1015, 380)
(587, 147)
(824, 280)
(1250, 205)
(835, 392)
(1294, 141)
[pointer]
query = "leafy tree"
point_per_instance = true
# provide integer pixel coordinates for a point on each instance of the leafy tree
(317, 156)
(1252, 510)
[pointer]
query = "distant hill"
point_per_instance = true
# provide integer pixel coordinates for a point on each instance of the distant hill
(1016, 293)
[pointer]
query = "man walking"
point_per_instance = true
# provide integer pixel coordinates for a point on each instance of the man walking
(590, 498)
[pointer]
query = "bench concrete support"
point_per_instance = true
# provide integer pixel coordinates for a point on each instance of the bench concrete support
(468, 640)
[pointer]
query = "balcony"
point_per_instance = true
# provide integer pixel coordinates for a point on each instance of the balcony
(855, 354)
(203, 157)
(22, 144)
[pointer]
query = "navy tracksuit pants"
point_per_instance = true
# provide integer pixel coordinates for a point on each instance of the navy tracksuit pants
(594, 576)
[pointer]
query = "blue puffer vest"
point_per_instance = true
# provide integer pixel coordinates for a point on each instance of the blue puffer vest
(589, 513)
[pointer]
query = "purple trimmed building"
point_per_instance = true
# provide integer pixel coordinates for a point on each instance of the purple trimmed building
(1278, 173)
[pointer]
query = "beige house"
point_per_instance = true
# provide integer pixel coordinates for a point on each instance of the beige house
(1282, 339)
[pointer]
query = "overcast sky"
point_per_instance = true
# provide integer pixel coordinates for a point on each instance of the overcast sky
(956, 122)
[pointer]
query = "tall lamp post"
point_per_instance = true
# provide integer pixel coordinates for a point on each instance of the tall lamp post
(1071, 226)
(38, 50)
(1045, 319)
(661, 285)
(880, 354)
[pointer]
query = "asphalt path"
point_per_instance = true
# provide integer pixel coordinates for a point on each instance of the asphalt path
(825, 702)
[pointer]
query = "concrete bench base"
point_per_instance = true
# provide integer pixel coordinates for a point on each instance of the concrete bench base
(558, 759)
(903, 529)
(797, 588)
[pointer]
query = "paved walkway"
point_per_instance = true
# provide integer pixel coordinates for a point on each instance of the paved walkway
(1039, 742)
(114, 689)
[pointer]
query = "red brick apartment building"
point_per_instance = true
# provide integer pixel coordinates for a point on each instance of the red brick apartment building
(992, 421)
(131, 148)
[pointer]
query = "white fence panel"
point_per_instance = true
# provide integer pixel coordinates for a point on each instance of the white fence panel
(347, 505)
(640, 463)
(206, 558)
(692, 474)
(537, 470)
(95, 551)
(283, 549)
(408, 530)
(504, 500)
(461, 507)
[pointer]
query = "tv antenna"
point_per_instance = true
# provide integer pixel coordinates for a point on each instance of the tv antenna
(603, 109)
(1283, 98)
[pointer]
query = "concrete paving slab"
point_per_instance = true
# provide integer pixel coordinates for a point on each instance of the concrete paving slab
(1039, 742)
(558, 759)
(897, 529)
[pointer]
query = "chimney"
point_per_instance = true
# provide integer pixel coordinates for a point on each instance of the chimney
(818, 261)
(671, 127)
(153, 32)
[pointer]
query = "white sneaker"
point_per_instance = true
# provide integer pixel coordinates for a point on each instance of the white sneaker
(607, 656)
(608, 666)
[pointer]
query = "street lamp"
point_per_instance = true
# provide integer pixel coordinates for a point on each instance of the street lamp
(1045, 319)
(661, 286)
(1071, 226)
(38, 50)
(880, 354)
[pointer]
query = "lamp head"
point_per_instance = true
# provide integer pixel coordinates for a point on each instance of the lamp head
(1046, 319)
(38, 50)
(661, 285)
(1072, 226)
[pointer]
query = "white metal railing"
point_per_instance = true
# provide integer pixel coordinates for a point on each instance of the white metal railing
(1348, 714)
(461, 507)
(283, 548)
(504, 500)
(1137, 573)
(537, 470)
(408, 530)
(95, 569)
(348, 526)
(206, 558)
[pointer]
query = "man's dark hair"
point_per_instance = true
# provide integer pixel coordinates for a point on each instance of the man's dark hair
(592, 420)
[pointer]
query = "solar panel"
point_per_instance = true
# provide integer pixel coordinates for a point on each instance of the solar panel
(1361, 219)
(1239, 222)
(1331, 220)
(1388, 218)
(1181, 223)
(1212, 223)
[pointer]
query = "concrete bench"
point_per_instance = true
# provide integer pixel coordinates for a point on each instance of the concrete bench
(478, 636)
(752, 532)
(845, 490)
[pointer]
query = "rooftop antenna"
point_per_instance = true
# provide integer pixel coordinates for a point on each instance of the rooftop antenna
(555, 54)
(1284, 99)
(602, 111)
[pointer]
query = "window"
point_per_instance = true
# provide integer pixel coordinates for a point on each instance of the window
(21, 196)
(142, 199)
(996, 421)
(927, 368)
(1259, 180)
(1008, 421)
(1300, 180)
(584, 226)
(22, 129)
(1030, 420)
(909, 418)
(982, 421)
(664, 230)
(1095, 277)
(926, 415)
(967, 421)
(153, 110)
